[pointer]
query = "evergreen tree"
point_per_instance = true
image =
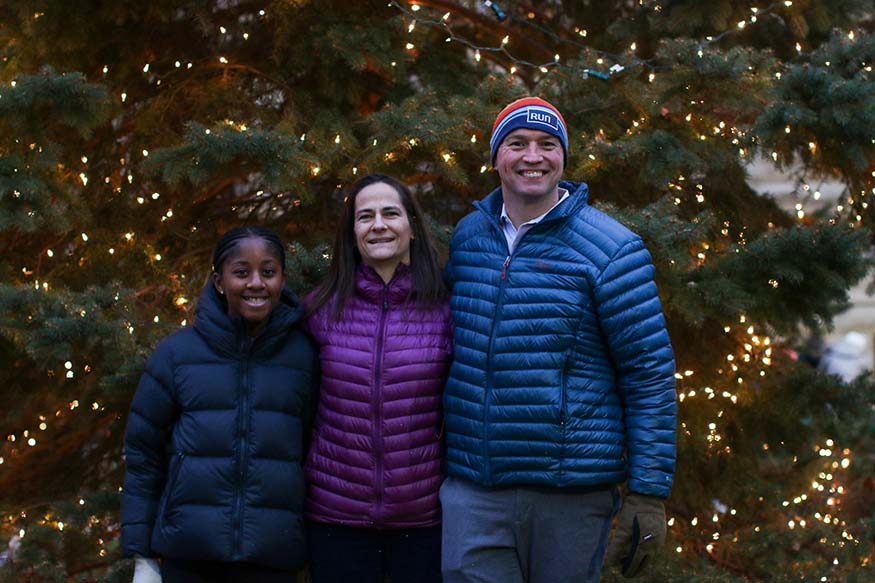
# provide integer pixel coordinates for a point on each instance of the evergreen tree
(133, 134)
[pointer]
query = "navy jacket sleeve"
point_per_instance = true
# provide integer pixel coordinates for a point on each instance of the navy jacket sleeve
(152, 414)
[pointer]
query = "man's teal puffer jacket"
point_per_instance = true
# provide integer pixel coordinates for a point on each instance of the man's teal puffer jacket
(563, 372)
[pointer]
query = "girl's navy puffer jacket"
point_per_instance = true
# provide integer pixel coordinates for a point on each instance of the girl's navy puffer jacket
(214, 441)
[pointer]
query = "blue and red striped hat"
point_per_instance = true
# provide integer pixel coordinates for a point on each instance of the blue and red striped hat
(531, 113)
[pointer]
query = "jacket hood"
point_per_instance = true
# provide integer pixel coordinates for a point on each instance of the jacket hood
(578, 197)
(229, 335)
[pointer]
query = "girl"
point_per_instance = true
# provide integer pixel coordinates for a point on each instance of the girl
(214, 485)
(382, 323)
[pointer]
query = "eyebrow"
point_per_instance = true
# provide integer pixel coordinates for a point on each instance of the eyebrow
(532, 139)
(385, 208)
(243, 262)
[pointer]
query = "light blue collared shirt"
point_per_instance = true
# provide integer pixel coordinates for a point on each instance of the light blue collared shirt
(513, 234)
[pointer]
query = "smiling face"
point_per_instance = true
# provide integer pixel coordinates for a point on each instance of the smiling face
(529, 164)
(382, 228)
(251, 279)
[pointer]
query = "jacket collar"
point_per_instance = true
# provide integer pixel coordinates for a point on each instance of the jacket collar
(578, 197)
(229, 336)
(370, 286)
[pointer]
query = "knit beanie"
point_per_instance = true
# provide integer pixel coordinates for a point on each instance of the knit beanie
(531, 113)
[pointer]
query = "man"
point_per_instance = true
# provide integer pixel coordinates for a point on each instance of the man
(562, 385)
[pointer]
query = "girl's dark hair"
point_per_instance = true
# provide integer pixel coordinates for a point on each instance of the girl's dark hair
(226, 245)
(428, 283)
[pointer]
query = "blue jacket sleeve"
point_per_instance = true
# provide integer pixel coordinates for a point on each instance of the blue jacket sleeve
(153, 412)
(632, 319)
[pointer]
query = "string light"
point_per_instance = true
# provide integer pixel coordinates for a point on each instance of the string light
(502, 49)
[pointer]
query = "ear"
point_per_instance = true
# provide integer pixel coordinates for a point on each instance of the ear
(217, 283)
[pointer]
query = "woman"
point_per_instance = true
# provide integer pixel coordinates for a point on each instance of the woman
(214, 484)
(382, 323)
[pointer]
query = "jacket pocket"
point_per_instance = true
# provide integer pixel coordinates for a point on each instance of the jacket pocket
(563, 411)
(563, 391)
(170, 486)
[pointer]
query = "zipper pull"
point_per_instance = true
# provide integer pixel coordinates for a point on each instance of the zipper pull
(504, 270)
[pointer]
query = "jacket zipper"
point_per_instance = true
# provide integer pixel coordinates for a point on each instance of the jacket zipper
(504, 269)
(487, 404)
(376, 406)
(243, 430)
(487, 465)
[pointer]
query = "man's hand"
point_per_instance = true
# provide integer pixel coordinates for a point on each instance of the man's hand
(639, 535)
(146, 570)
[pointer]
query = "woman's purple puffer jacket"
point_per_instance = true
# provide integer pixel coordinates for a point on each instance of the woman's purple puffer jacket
(376, 458)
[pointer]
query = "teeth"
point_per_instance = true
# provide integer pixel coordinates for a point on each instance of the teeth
(255, 301)
(533, 173)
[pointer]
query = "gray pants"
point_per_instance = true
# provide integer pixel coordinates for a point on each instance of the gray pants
(524, 535)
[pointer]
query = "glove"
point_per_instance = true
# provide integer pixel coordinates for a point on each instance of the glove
(146, 570)
(639, 535)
